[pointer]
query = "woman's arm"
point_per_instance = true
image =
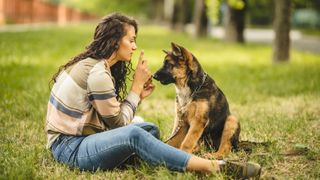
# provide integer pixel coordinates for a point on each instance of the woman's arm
(102, 96)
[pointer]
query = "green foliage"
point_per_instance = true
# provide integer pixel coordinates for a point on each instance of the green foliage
(236, 4)
(213, 10)
(260, 12)
(275, 103)
(102, 7)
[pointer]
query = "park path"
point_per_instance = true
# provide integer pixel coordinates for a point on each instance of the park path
(265, 36)
(298, 40)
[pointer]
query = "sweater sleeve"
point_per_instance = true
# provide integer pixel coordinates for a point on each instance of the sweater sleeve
(102, 96)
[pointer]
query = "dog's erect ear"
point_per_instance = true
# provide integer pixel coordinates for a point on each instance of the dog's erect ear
(176, 50)
(180, 51)
(165, 51)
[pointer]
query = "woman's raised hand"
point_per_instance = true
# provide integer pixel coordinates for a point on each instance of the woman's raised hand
(141, 76)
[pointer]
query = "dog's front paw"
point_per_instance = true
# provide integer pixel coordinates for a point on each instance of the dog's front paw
(218, 155)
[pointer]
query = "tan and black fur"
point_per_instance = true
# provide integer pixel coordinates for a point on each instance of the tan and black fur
(202, 110)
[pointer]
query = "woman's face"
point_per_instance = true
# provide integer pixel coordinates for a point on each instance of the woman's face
(127, 44)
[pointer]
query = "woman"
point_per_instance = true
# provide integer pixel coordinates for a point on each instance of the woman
(90, 112)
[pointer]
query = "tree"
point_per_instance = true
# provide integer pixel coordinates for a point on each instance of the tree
(181, 14)
(200, 18)
(235, 20)
(156, 10)
(281, 26)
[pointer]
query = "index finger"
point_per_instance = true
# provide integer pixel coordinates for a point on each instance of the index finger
(141, 57)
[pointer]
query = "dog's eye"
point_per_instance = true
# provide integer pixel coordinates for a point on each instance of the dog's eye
(168, 65)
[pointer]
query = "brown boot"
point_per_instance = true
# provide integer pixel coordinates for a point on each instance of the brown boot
(241, 170)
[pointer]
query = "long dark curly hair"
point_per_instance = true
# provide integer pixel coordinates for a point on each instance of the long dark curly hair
(106, 40)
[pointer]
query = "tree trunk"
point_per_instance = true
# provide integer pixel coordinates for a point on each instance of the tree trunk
(157, 12)
(200, 19)
(179, 16)
(168, 9)
(235, 24)
(281, 26)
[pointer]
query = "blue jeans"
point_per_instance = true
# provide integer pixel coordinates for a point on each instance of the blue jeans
(110, 149)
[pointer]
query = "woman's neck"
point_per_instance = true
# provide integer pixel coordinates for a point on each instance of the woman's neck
(112, 60)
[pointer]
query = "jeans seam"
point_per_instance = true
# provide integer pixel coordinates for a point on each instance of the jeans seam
(125, 159)
(100, 151)
(109, 148)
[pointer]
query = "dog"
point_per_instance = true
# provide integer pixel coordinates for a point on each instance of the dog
(202, 110)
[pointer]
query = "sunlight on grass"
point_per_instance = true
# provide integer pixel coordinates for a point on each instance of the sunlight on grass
(276, 103)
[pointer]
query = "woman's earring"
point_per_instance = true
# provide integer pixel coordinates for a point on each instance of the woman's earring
(116, 46)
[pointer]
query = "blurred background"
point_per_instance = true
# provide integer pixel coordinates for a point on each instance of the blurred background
(305, 13)
(240, 43)
(231, 20)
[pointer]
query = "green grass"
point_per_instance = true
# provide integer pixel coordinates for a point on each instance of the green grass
(276, 103)
(312, 32)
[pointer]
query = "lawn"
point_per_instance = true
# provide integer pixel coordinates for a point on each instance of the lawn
(276, 103)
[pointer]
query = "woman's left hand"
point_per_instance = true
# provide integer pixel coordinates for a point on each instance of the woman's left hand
(147, 89)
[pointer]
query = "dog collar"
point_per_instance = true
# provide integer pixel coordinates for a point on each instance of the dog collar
(204, 77)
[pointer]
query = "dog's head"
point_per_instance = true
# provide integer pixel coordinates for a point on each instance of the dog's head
(177, 66)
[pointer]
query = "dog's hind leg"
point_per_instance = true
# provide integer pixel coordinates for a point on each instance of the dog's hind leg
(230, 133)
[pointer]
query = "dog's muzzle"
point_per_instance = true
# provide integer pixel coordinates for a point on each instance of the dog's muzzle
(164, 77)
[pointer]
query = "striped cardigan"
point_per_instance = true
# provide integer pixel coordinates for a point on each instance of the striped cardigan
(83, 101)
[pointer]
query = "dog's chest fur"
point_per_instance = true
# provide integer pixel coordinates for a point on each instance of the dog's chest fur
(183, 98)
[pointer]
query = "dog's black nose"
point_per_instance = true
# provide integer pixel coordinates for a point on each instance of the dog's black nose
(156, 76)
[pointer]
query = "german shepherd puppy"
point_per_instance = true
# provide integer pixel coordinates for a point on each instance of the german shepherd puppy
(202, 110)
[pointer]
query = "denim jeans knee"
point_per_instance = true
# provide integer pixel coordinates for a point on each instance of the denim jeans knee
(149, 127)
